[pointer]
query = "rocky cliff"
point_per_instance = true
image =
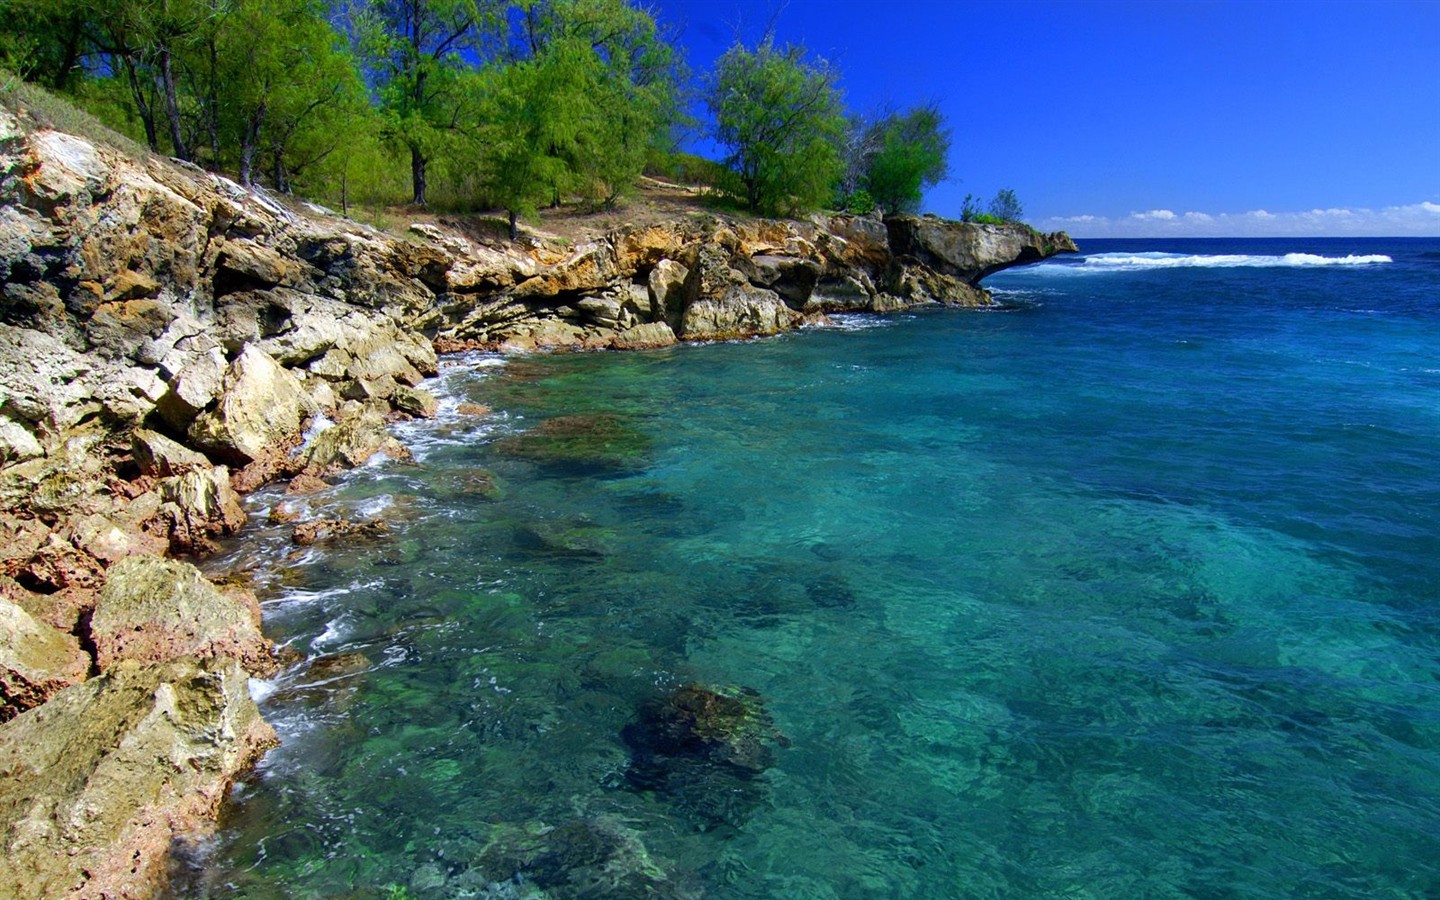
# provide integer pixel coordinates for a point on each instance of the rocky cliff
(166, 337)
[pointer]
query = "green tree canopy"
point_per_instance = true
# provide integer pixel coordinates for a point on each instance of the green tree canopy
(416, 54)
(783, 121)
(911, 153)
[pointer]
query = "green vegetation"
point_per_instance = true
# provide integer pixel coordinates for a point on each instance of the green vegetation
(469, 105)
(1004, 209)
(892, 158)
(782, 119)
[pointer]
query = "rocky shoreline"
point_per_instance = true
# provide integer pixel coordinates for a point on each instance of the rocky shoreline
(170, 341)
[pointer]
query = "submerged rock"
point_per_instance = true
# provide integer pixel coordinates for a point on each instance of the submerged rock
(703, 749)
(317, 530)
(603, 440)
(116, 771)
(595, 857)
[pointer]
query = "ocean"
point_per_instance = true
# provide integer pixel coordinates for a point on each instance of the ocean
(1128, 589)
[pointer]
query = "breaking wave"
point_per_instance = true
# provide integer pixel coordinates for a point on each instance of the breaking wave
(1132, 262)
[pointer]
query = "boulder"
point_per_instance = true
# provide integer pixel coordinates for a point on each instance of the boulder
(791, 277)
(162, 457)
(648, 336)
(351, 442)
(200, 504)
(156, 610)
(118, 771)
(193, 388)
(741, 311)
(17, 443)
(36, 661)
(415, 402)
(667, 290)
(263, 407)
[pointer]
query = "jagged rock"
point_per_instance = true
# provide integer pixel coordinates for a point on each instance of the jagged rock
(118, 329)
(200, 504)
(36, 661)
(415, 402)
(970, 251)
(17, 443)
(351, 442)
(667, 290)
(263, 406)
(601, 310)
(246, 264)
(132, 285)
(194, 387)
(742, 311)
(97, 785)
(108, 541)
(591, 267)
(842, 293)
(472, 409)
(163, 457)
(317, 530)
(792, 278)
(155, 610)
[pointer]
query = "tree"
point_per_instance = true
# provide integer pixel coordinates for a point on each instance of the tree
(911, 154)
(520, 126)
(782, 119)
(619, 88)
(416, 52)
(1005, 206)
(286, 87)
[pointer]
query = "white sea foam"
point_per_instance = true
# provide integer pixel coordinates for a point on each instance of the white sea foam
(1132, 262)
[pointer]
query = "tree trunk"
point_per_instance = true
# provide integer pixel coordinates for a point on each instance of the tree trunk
(212, 117)
(142, 107)
(417, 174)
(249, 143)
(281, 179)
(172, 105)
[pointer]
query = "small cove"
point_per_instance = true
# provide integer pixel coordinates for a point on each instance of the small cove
(1128, 590)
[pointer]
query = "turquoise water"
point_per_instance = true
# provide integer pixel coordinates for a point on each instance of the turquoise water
(1129, 590)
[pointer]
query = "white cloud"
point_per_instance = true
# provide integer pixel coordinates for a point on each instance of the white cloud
(1415, 219)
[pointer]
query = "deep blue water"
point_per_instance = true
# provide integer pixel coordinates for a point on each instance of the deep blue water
(1129, 590)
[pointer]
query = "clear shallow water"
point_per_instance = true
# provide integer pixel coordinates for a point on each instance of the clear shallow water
(1130, 590)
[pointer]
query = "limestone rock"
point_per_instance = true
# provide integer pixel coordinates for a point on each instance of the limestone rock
(245, 263)
(350, 442)
(742, 311)
(17, 444)
(415, 402)
(118, 769)
(36, 661)
(263, 407)
(791, 277)
(194, 387)
(647, 336)
(970, 251)
(158, 455)
(667, 290)
(200, 504)
(155, 610)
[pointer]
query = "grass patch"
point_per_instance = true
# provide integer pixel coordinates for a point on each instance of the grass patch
(39, 108)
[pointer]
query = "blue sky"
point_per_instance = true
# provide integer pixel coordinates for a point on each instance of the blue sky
(1168, 117)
